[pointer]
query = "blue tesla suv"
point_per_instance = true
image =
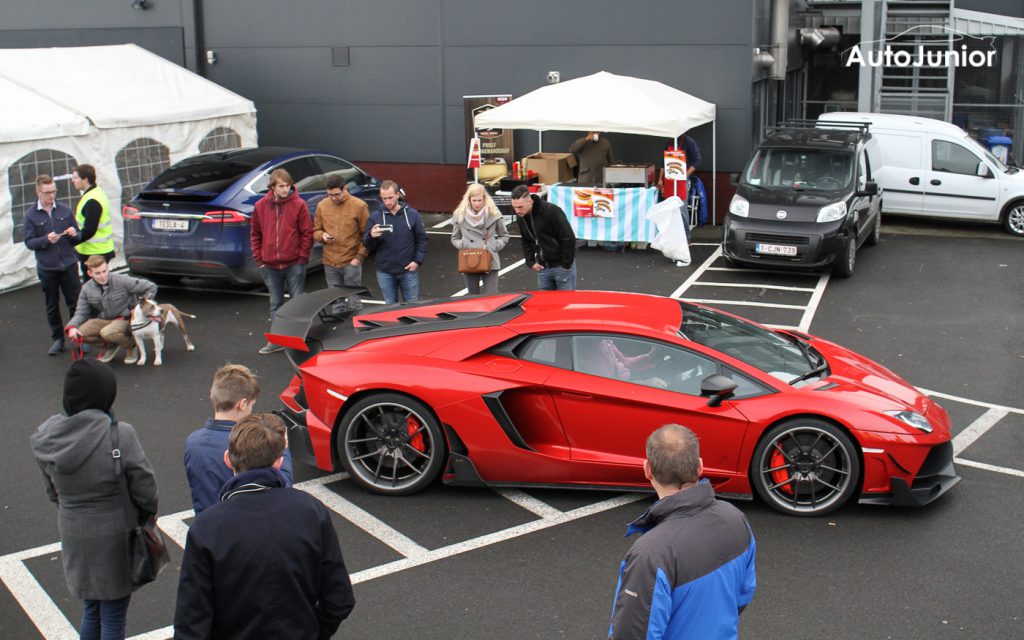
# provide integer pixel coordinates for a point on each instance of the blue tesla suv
(193, 219)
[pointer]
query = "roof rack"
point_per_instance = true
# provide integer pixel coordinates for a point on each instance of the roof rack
(862, 127)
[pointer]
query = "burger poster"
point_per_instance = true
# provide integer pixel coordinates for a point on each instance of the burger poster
(675, 173)
(593, 203)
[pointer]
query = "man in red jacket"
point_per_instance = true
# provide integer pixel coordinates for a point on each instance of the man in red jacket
(282, 237)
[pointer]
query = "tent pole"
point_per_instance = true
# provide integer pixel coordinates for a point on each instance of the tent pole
(714, 169)
(540, 141)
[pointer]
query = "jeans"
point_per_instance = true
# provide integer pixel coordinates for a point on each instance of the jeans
(293, 277)
(351, 275)
(489, 280)
(557, 278)
(408, 281)
(104, 619)
(54, 283)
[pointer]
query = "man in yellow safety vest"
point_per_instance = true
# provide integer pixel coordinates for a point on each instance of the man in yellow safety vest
(93, 215)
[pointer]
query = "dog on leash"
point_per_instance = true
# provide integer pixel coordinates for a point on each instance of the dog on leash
(149, 320)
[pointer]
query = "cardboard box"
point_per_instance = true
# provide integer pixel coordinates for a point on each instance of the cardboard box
(551, 167)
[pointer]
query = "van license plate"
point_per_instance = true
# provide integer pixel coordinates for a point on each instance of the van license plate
(775, 249)
(170, 225)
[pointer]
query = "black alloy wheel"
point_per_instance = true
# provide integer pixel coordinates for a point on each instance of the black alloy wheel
(805, 467)
(391, 444)
(846, 259)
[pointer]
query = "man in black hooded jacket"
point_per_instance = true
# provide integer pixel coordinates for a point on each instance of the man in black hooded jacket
(549, 245)
(264, 562)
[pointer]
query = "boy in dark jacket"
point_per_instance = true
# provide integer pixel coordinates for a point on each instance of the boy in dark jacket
(399, 242)
(281, 231)
(549, 245)
(264, 562)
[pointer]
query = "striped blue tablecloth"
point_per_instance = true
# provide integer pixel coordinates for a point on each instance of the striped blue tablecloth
(628, 224)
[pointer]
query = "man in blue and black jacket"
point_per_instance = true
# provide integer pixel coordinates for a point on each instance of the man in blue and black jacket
(691, 573)
(398, 240)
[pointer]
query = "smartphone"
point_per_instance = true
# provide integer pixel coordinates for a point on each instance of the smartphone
(386, 227)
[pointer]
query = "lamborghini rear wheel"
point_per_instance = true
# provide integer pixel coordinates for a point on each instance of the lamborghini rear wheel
(805, 467)
(391, 444)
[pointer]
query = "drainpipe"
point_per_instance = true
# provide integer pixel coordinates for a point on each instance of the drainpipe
(199, 31)
(780, 39)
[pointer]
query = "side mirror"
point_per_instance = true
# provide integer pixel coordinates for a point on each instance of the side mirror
(870, 189)
(717, 388)
(983, 171)
(734, 179)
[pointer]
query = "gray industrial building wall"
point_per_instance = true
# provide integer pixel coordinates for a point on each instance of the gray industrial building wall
(399, 99)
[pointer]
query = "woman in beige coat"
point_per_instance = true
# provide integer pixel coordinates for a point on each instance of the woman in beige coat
(477, 224)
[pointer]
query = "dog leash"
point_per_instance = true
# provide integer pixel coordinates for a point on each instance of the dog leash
(76, 349)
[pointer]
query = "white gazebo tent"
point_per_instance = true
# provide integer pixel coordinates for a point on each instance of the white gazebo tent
(116, 107)
(606, 102)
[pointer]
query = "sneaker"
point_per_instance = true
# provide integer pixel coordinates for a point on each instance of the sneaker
(56, 347)
(682, 263)
(270, 348)
(108, 354)
(131, 356)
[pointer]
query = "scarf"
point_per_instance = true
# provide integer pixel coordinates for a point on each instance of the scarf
(476, 218)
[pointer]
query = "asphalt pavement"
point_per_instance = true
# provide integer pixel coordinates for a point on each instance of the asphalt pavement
(938, 304)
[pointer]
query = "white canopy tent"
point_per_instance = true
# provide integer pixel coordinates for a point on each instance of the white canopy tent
(122, 109)
(608, 103)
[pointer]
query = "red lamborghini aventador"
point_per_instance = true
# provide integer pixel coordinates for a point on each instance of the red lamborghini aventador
(561, 389)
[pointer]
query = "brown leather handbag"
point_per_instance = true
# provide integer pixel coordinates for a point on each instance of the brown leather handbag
(474, 261)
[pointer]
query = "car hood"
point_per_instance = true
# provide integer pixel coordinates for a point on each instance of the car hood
(853, 373)
(798, 205)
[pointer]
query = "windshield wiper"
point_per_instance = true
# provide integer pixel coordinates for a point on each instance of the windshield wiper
(810, 374)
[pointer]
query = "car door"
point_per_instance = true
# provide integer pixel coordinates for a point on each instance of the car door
(861, 205)
(902, 171)
(620, 389)
(954, 187)
(359, 184)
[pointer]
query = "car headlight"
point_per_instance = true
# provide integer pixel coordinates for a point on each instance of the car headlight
(830, 212)
(739, 206)
(912, 418)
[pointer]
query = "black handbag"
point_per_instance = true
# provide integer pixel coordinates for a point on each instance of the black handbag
(147, 551)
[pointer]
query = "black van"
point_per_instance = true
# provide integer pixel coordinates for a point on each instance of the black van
(805, 200)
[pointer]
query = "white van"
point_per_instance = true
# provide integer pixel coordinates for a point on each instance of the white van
(933, 168)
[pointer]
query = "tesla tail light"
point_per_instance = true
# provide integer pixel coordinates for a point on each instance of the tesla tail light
(912, 418)
(225, 217)
(739, 206)
(130, 213)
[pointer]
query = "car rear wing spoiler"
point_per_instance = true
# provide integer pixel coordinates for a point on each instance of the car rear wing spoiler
(293, 325)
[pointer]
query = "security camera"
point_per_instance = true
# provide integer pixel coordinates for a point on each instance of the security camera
(140, 5)
(554, 77)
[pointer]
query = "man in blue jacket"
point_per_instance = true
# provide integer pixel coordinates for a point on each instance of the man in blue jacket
(50, 228)
(233, 395)
(691, 572)
(399, 242)
(264, 562)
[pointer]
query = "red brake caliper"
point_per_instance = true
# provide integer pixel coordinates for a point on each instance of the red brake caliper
(781, 475)
(413, 429)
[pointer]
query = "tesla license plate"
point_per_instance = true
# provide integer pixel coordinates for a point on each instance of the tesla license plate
(775, 249)
(164, 224)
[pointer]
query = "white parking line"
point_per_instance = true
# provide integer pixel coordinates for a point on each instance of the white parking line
(41, 609)
(704, 266)
(494, 538)
(990, 467)
(367, 522)
(976, 429)
(812, 304)
(744, 303)
(748, 285)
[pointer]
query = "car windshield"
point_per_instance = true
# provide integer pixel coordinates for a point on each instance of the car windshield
(788, 360)
(980, 150)
(203, 175)
(810, 169)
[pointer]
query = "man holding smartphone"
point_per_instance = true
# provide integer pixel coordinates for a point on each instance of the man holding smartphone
(339, 223)
(50, 231)
(399, 242)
